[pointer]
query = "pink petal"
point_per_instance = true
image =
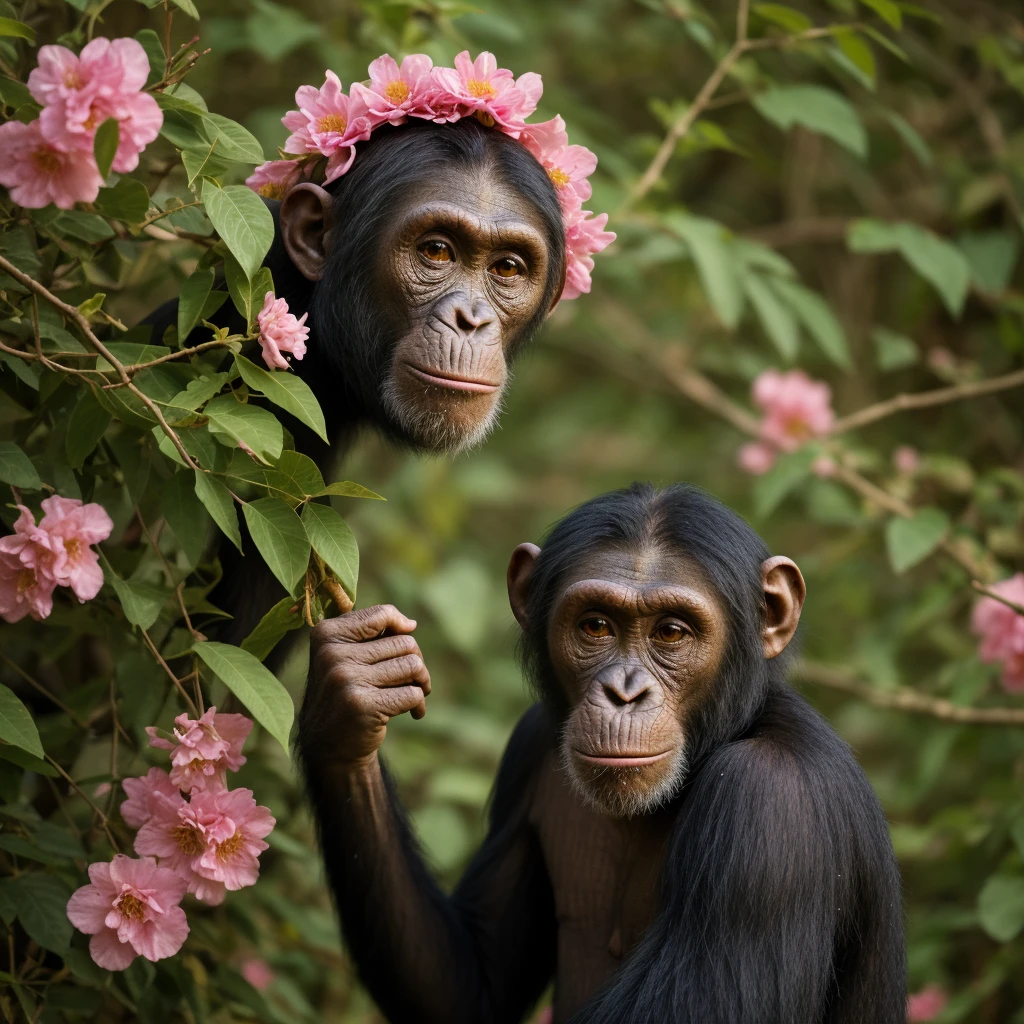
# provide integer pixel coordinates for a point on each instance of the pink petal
(109, 952)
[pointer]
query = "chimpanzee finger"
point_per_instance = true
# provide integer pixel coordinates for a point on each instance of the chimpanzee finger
(399, 671)
(364, 624)
(396, 700)
(371, 652)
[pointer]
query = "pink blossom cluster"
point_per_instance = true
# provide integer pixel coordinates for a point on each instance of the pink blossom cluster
(195, 836)
(51, 159)
(926, 1004)
(796, 409)
(330, 123)
(55, 552)
(1002, 631)
(280, 332)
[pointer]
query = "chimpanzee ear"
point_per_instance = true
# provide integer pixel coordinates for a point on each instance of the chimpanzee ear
(307, 216)
(520, 569)
(784, 592)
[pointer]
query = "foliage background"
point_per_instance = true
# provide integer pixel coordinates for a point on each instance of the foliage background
(603, 400)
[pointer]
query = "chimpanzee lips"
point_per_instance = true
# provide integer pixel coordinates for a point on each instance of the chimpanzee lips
(622, 760)
(453, 383)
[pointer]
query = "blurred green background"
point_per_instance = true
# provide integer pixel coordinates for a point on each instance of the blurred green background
(594, 407)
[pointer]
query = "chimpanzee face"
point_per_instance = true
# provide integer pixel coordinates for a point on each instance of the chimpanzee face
(636, 643)
(463, 276)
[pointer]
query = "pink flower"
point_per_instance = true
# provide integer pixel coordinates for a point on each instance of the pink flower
(756, 457)
(1002, 631)
(796, 408)
(26, 577)
(327, 122)
(71, 527)
(396, 93)
(906, 459)
(584, 235)
(130, 908)
(280, 332)
(568, 167)
(823, 466)
(79, 93)
(273, 179)
(257, 972)
(213, 841)
(926, 1004)
(206, 749)
(37, 173)
(138, 808)
(480, 87)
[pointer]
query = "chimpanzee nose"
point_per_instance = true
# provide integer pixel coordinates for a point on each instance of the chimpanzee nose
(625, 684)
(472, 314)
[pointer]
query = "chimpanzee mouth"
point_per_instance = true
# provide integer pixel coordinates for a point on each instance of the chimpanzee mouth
(622, 760)
(453, 383)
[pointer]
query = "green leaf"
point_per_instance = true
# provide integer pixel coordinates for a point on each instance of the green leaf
(334, 542)
(250, 425)
(141, 601)
(708, 242)
(203, 161)
(198, 391)
(188, 7)
(911, 138)
(858, 53)
(150, 42)
(16, 468)
(992, 257)
(285, 616)
(264, 697)
(893, 351)
(280, 537)
(248, 296)
(938, 261)
(776, 318)
(298, 474)
(910, 541)
(17, 30)
(105, 143)
(86, 227)
(817, 109)
(87, 425)
(183, 510)
(817, 318)
(234, 142)
(286, 390)
(221, 506)
(128, 200)
(348, 489)
(888, 11)
(193, 295)
(242, 220)
(789, 471)
(42, 901)
(15, 94)
(16, 725)
(1001, 907)
(787, 18)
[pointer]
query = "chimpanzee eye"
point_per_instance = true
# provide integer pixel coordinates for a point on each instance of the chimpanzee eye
(437, 251)
(596, 627)
(670, 632)
(506, 267)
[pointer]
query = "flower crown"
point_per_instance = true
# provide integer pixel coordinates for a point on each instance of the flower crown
(329, 124)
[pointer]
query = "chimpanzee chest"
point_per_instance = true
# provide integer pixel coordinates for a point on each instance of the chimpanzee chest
(604, 873)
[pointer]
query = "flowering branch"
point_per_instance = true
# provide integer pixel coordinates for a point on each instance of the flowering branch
(996, 596)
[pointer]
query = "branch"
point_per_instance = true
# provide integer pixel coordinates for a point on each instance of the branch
(905, 699)
(988, 592)
(86, 328)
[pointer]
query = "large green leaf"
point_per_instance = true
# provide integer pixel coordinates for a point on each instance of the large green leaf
(776, 317)
(191, 299)
(285, 616)
(141, 601)
(817, 109)
(992, 256)
(243, 674)
(817, 318)
(221, 506)
(233, 141)
(17, 30)
(242, 220)
(1001, 906)
(248, 296)
(256, 428)
(105, 143)
(128, 200)
(709, 246)
(910, 541)
(16, 468)
(16, 725)
(88, 423)
(279, 536)
(183, 512)
(42, 901)
(348, 489)
(286, 390)
(334, 542)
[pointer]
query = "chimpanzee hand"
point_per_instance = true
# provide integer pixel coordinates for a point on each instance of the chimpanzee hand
(358, 680)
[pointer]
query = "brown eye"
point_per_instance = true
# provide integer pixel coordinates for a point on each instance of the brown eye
(597, 628)
(670, 632)
(438, 252)
(506, 267)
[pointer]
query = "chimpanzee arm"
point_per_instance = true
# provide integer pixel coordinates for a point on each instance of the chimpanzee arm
(781, 901)
(483, 954)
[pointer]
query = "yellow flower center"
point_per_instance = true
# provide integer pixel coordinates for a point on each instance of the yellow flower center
(71, 79)
(272, 190)
(90, 122)
(131, 907)
(26, 580)
(558, 177)
(46, 160)
(797, 429)
(332, 123)
(481, 90)
(189, 840)
(73, 547)
(230, 846)
(397, 92)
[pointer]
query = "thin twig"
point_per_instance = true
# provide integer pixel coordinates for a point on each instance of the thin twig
(104, 820)
(904, 699)
(989, 592)
(36, 685)
(167, 668)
